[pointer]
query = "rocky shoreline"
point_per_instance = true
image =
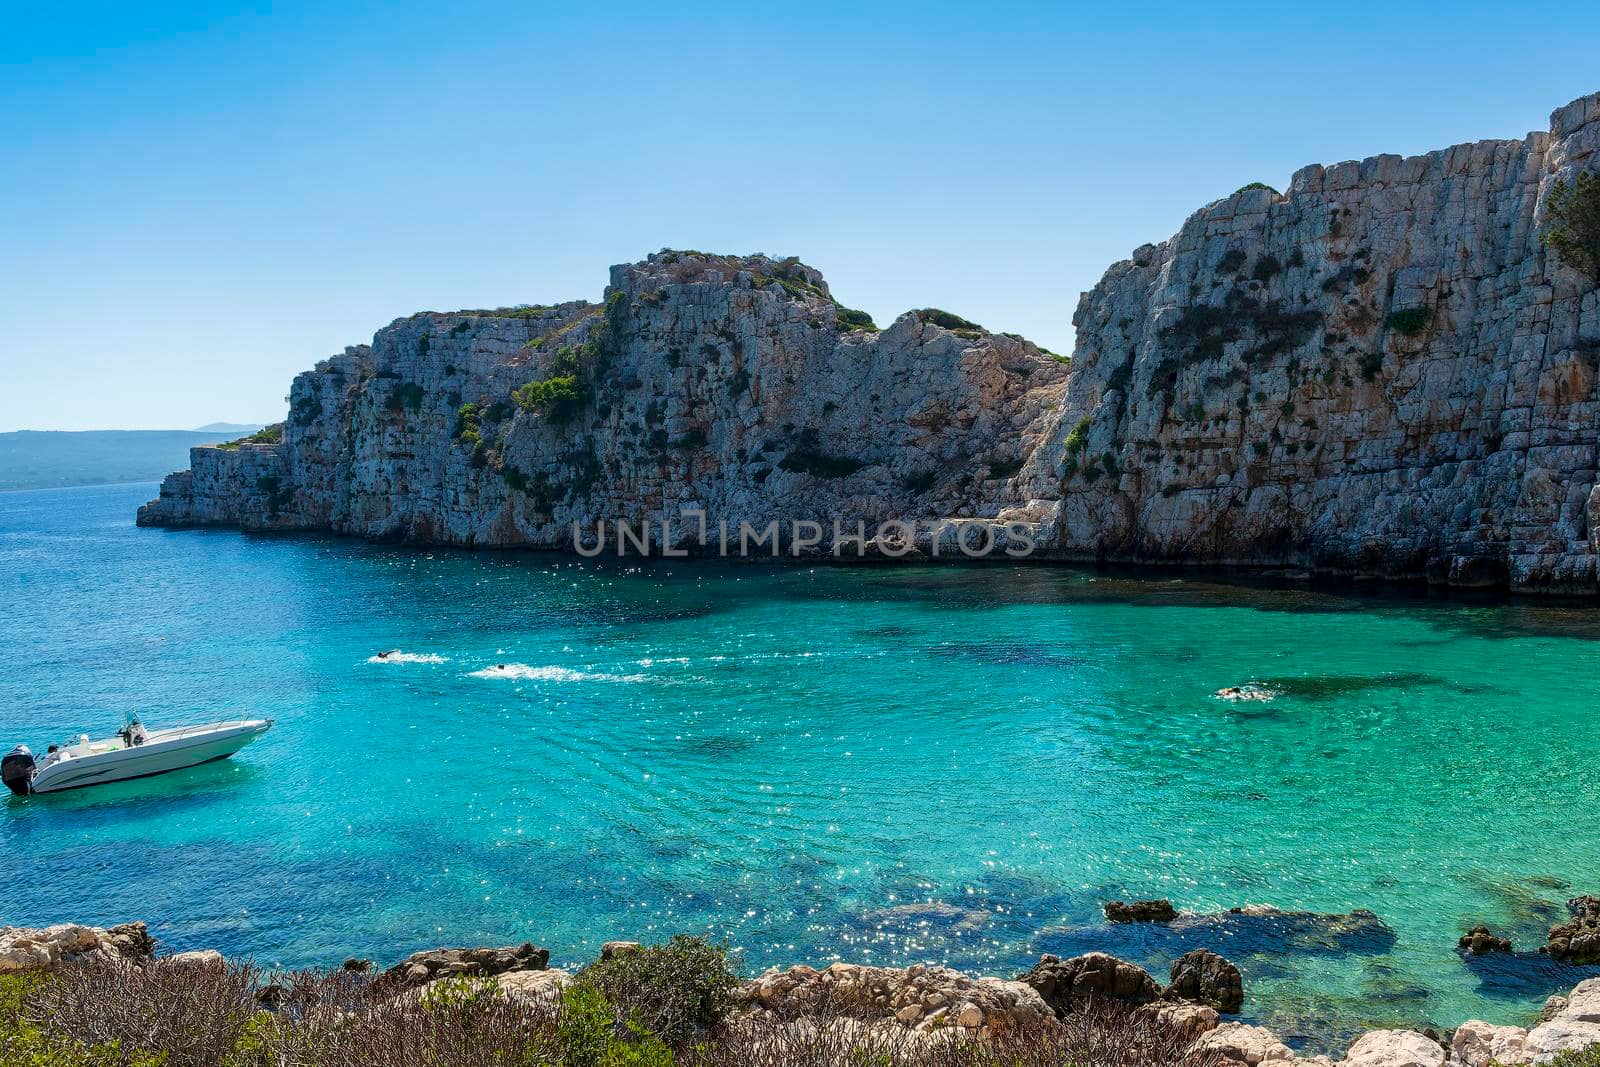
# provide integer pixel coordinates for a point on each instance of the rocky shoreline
(922, 1006)
(1383, 371)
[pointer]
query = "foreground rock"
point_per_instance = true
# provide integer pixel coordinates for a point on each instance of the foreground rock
(28, 949)
(1394, 1048)
(1204, 977)
(928, 1003)
(1479, 1044)
(920, 997)
(1244, 1044)
(1067, 985)
(423, 967)
(536, 985)
(1185, 1020)
(1570, 1024)
(1577, 941)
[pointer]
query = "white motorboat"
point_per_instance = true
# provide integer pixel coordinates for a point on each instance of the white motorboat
(133, 752)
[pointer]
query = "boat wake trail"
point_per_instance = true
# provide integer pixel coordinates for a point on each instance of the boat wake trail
(1262, 693)
(523, 673)
(407, 657)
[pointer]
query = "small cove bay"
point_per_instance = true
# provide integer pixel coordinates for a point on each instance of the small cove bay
(884, 765)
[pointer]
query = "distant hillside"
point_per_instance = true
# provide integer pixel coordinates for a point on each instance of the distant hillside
(238, 429)
(32, 459)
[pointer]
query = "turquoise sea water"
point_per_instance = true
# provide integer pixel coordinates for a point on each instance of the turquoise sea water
(958, 764)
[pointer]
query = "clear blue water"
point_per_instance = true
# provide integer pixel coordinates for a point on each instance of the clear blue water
(798, 760)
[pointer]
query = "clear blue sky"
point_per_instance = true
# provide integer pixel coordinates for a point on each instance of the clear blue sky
(195, 205)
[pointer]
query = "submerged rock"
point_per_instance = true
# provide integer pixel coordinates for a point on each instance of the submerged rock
(1206, 978)
(1259, 932)
(1266, 929)
(1480, 941)
(1578, 940)
(1069, 985)
(1141, 911)
(1524, 974)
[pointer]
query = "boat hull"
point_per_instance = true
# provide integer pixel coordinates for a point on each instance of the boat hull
(159, 755)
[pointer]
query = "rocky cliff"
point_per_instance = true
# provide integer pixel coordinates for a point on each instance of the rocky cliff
(731, 386)
(1380, 372)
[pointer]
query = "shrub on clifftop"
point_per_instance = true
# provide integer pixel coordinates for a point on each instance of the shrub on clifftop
(851, 319)
(954, 323)
(267, 435)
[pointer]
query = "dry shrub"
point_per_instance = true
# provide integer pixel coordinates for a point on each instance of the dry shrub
(333, 1021)
(192, 1012)
(232, 1016)
(1099, 1036)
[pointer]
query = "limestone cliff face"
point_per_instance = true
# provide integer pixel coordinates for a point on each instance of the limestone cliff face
(705, 383)
(1379, 372)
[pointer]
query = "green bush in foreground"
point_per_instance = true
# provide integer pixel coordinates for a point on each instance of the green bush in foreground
(674, 991)
(1589, 1057)
(587, 1033)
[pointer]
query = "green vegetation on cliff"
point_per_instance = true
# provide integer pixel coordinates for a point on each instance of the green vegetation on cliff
(267, 435)
(1573, 227)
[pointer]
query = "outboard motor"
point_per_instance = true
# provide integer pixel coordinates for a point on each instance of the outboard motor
(17, 770)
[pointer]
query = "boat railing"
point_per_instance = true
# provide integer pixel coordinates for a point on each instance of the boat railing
(179, 732)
